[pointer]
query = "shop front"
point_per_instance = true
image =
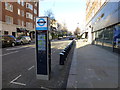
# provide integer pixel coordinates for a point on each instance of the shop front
(22, 32)
(106, 26)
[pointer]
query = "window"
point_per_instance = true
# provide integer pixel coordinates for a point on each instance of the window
(8, 19)
(18, 1)
(29, 15)
(19, 22)
(6, 32)
(36, 4)
(29, 25)
(18, 11)
(116, 33)
(28, 5)
(22, 12)
(35, 11)
(14, 34)
(22, 3)
(34, 19)
(23, 23)
(8, 6)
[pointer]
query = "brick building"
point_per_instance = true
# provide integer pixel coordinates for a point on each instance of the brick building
(103, 22)
(18, 18)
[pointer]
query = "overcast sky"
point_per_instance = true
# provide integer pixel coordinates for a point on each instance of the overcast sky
(70, 12)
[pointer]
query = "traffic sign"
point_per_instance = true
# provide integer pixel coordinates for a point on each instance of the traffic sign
(41, 23)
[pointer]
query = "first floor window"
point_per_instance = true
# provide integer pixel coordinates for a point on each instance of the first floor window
(23, 23)
(8, 19)
(19, 22)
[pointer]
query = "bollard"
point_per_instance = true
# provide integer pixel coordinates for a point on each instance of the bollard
(61, 59)
(65, 55)
(65, 52)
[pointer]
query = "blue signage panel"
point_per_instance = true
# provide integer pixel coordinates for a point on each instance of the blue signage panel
(42, 23)
(41, 28)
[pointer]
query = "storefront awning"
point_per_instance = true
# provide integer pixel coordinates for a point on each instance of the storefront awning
(22, 30)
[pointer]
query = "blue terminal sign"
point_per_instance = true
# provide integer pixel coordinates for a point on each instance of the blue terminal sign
(41, 23)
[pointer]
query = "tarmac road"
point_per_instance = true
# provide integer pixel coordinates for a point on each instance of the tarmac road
(19, 67)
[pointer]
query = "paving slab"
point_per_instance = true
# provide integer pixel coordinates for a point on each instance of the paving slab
(93, 67)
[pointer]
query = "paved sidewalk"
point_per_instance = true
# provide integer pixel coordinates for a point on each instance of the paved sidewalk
(93, 67)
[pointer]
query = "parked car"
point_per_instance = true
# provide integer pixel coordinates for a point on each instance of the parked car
(7, 40)
(59, 38)
(72, 37)
(23, 40)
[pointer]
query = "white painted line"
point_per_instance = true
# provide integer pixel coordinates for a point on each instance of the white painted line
(13, 81)
(15, 78)
(45, 88)
(52, 46)
(9, 53)
(18, 83)
(15, 48)
(59, 47)
(30, 48)
(30, 68)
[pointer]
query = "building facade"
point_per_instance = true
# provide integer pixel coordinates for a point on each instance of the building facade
(18, 18)
(103, 22)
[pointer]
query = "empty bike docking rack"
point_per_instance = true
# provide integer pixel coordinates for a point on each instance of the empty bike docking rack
(64, 54)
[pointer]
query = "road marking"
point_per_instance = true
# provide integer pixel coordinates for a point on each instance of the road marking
(18, 83)
(13, 81)
(59, 47)
(16, 78)
(9, 53)
(15, 48)
(45, 88)
(31, 68)
(52, 46)
(32, 46)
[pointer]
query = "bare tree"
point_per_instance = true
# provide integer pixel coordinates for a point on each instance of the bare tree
(77, 31)
(49, 13)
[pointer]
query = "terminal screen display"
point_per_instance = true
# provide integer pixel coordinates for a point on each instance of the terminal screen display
(41, 46)
(41, 42)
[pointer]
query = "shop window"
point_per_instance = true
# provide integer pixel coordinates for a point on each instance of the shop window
(116, 34)
(14, 34)
(108, 35)
(100, 35)
(5, 32)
